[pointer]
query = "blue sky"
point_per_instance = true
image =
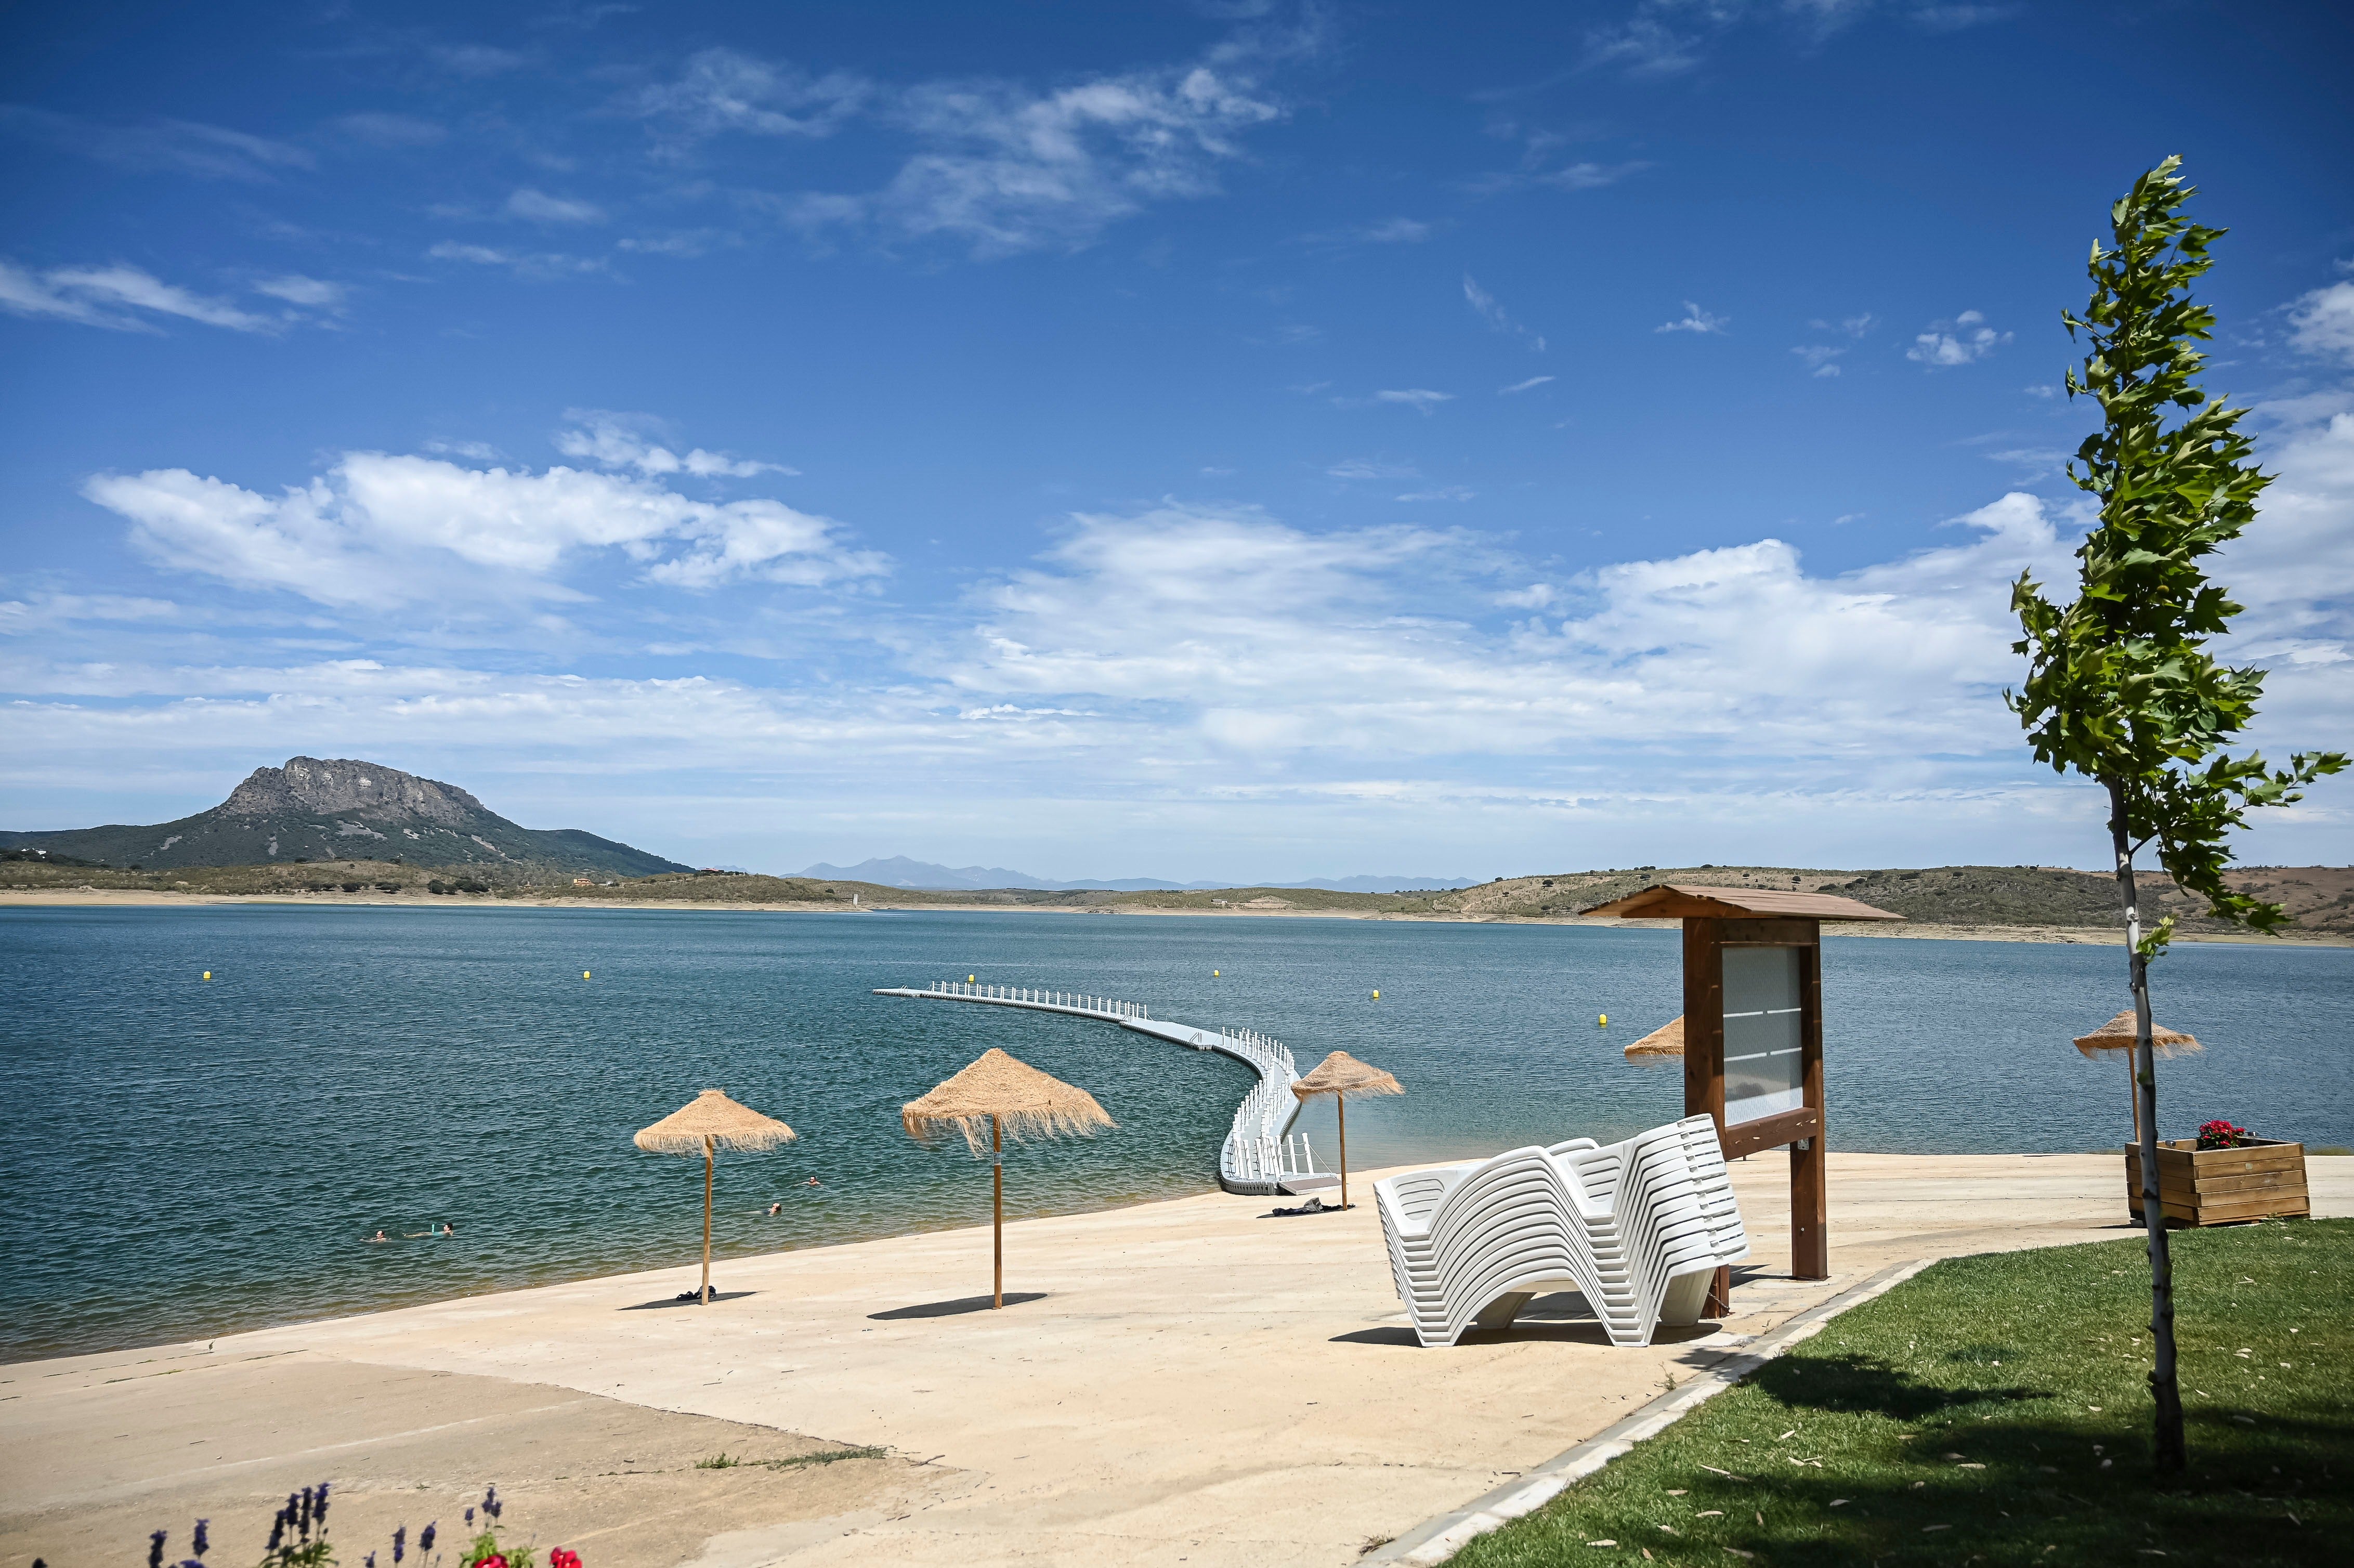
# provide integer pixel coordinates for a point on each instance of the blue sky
(1203, 441)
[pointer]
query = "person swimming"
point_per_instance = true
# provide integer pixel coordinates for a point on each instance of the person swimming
(379, 1236)
(813, 1182)
(449, 1227)
(775, 1209)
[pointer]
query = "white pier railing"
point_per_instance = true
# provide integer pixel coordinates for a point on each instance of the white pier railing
(1261, 1153)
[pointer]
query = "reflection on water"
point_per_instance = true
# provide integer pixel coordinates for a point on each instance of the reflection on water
(187, 1157)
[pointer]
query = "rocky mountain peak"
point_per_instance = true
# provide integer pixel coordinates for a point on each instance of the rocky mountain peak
(345, 787)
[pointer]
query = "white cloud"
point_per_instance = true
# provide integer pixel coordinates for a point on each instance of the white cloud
(379, 530)
(1444, 492)
(618, 440)
(2322, 322)
(107, 297)
(1421, 399)
(1696, 320)
(314, 294)
(538, 207)
(177, 146)
(1961, 341)
(1523, 386)
(1395, 231)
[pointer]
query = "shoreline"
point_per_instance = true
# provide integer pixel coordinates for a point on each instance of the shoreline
(2081, 936)
(1250, 1389)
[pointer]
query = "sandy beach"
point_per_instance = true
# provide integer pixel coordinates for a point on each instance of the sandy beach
(2094, 935)
(1184, 1382)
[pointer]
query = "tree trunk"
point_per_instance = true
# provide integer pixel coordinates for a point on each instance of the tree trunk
(705, 1296)
(997, 1188)
(2167, 1452)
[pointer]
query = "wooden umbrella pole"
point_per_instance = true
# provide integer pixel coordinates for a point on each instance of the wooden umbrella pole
(1341, 1102)
(707, 1222)
(997, 1176)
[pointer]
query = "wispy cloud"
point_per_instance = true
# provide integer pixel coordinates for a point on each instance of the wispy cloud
(996, 165)
(1963, 340)
(1820, 359)
(123, 298)
(1421, 399)
(538, 207)
(1696, 320)
(625, 441)
(1444, 492)
(177, 146)
(1533, 382)
(538, 266)
(1395, 231)
(1492, 310)
(1362, 467)
(312, 293)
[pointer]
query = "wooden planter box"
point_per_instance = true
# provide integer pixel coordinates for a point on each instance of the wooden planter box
(2262, 1179)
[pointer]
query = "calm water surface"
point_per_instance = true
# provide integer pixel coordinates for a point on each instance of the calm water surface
(185, 1158)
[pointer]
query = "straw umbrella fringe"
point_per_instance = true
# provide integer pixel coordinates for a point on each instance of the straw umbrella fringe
(1015, 1100)
(1667, 1040)
(2117, 1034)
(1340, 1075)
(710, 1122)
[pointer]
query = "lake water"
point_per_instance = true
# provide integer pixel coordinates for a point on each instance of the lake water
(185, 1157)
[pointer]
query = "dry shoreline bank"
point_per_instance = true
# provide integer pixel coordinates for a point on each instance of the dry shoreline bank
(1913, 930)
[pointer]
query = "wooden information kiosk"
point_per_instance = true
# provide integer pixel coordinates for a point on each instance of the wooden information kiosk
(1754, 1034)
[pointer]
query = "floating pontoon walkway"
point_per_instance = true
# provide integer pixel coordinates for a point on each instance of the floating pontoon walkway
(1261, 1154)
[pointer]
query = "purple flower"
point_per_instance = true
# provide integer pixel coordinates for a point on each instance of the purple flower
(425, 1541)
(369, 1562)
(491, 1504)
(399, 1543)
(276, 1529)
(203, 1536)
(155, 1550)
(319, 1508)
(470, 1519)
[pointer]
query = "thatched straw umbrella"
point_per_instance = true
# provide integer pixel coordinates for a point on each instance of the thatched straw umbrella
(1340, 1075)
(2117, 1034)
(712, 1121)
(1017, 1101)
(1667, 1040)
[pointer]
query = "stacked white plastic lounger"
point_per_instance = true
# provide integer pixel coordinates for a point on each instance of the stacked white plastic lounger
(1637, 1227)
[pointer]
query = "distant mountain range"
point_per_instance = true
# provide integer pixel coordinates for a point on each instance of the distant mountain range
(898, 871)
(344, 809)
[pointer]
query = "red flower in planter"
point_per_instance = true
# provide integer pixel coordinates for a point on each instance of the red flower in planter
(2221, 1134)
(560, 1558)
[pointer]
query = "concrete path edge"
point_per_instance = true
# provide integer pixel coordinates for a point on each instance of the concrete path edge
(1437, 1540)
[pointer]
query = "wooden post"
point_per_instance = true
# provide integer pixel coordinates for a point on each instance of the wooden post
(1810, 1256)
(997, 1170)
(1704, 1054)
(1341, 1104)
(706, 1297)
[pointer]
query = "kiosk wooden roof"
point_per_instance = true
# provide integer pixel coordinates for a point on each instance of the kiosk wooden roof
(1681, 901)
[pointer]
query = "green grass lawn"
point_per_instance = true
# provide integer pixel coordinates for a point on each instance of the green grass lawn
(1996, 1410)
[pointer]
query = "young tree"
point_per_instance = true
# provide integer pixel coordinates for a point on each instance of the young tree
(2120, 688)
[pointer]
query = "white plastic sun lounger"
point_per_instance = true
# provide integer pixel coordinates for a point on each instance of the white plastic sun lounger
(1636, 1227)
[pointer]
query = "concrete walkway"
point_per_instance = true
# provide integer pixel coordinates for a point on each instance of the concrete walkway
(1193, 1382)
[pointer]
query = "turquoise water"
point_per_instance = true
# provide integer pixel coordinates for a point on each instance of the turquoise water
(185, 1157)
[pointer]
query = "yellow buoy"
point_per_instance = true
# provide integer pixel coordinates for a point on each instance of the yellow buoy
(968, 979)
(208, 974)
(583, 974)
(1377, 996)
(1603, 1022)
(1214, 974)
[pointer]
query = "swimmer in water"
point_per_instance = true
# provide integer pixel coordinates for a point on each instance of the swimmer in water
(379, 1236)
(813, 1182)
(775, 1209)
(449, 1227)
